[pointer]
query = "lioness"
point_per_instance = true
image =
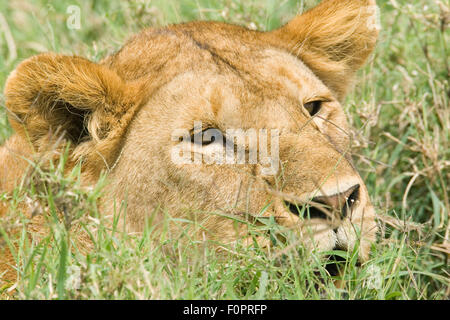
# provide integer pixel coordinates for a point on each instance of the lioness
(122, 115)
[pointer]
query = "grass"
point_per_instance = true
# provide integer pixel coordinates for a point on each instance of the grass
(400, 112)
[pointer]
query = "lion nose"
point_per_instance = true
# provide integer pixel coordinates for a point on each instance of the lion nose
(320, 207)
(342, 202)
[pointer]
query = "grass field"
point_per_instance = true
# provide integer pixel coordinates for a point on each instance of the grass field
(401, 118)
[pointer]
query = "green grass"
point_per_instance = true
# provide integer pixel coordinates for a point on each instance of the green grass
(401, 119)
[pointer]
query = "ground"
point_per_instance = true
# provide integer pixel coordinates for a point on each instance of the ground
(399, 109)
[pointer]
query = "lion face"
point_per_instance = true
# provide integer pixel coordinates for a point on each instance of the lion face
(209, 121)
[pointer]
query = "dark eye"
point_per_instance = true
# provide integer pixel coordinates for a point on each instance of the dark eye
(313, 107)
(207, 137)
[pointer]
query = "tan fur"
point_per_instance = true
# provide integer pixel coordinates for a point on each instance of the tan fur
(334, 59)
(119, 114)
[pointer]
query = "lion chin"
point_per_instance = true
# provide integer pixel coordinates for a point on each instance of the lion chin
(209, 121)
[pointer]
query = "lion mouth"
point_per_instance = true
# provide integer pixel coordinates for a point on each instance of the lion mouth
(335, 265)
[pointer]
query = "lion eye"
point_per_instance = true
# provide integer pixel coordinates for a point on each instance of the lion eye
(207, 137)
(313, 107)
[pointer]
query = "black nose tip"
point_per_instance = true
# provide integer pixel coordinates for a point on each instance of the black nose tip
(304, 211)
(342, 203)
(350, 201)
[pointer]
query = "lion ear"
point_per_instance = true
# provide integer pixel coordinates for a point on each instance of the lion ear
(333, 39)
(54, 93)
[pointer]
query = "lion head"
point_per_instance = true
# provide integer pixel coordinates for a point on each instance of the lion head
(208, 121)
